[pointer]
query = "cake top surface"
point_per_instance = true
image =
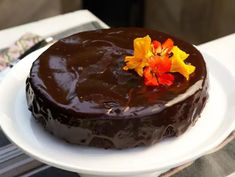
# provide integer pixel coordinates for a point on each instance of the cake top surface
(84, 74)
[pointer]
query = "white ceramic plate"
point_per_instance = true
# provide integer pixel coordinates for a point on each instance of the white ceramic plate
(216, 123)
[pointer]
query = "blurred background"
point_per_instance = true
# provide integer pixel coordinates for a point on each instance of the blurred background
(196, 21)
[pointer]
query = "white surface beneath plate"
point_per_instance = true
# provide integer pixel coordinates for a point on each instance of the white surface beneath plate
(216, 123)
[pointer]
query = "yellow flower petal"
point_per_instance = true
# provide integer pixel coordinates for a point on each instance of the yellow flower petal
(178, 64)
(139, 68)
(142, 51)
(142, 47)
(179, 53)
(131, 62)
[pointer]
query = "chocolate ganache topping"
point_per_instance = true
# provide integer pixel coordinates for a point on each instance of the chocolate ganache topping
(78, 90)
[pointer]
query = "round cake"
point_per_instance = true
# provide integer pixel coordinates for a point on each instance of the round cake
(92, 89)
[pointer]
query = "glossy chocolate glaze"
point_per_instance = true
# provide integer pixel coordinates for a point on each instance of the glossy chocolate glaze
(79, 92)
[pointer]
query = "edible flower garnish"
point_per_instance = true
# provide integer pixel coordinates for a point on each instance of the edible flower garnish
(142, 52)
(157, 62)
(157, 72)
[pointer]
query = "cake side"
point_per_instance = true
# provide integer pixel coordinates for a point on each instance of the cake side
(120, 133)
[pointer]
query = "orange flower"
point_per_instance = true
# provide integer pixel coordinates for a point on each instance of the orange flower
(162, 49)
(142, 51)
(157, 72)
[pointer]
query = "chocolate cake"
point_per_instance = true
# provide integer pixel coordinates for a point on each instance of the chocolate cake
(78, 90)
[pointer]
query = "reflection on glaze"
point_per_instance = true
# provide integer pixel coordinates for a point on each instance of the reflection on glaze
(192, 90)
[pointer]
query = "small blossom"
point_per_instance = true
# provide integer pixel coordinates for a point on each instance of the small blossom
(162, 49)
(157, 72)
(142, 51)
